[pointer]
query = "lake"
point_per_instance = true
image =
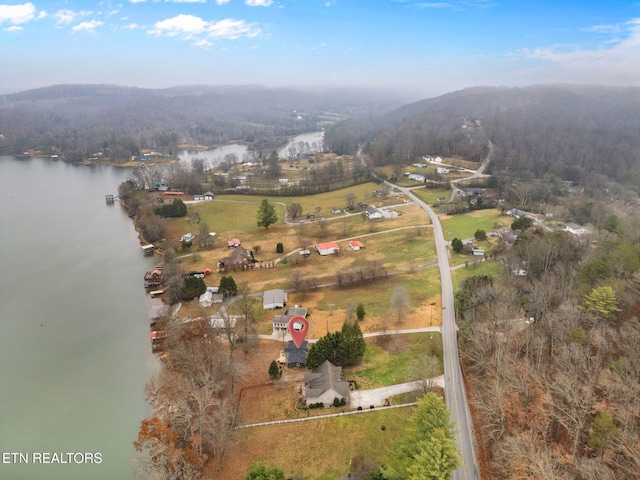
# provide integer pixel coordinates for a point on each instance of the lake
(215, 155)
(74, 347)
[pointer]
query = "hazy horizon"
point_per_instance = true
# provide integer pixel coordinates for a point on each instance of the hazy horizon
(419, 49)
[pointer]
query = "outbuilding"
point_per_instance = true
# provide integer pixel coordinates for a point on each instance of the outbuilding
(327, 248)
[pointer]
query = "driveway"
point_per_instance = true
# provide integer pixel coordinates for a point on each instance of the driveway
(377, 396)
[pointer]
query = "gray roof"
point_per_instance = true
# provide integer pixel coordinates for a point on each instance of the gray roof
(326, 377)
(274, 296)
(296, 355)
(289, 313)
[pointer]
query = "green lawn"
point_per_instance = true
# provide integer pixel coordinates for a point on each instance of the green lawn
(465, 225)
(492, 269)
(431, 195)
(391, 364)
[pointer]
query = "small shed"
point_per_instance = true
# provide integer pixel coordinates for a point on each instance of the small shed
(187, 237)
(356, 245)
(233, 243)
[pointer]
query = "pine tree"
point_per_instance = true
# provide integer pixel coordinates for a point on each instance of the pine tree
(266, 214)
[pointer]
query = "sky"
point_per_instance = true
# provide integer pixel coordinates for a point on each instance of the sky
(419, 48)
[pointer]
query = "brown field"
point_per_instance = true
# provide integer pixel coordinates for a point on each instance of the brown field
(319, 449)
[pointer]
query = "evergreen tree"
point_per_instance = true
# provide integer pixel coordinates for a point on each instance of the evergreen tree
(522, 223)
(193, 287)
(274, 371)
(480, 235)
(352, 345)
(228, 287)
(266, 214)
(326, 348)
(602, 302)
(360, 312)
(457, 245)
(260, 471)
(428, 451)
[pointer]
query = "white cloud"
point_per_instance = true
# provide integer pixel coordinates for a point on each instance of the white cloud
(132, 26)
(66, 17)
(13, 29)
(222, 2)
(185, 1)
(203, 43)
(182, 25)
(233, 29)
(137, 1)
(88, 27)
(189, 27)
(258, 3)
(613, 61)
(17, 14)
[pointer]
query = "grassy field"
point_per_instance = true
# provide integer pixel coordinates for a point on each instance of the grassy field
(464, 226)
(389, 361)
(431, 195)
(328, 445)
(401, 244)
(492, 269)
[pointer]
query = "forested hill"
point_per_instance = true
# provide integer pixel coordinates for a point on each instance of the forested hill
(568, 131)
(79, 120)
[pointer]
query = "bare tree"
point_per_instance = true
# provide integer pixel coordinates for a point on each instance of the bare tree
(424, 368)
(400, 303)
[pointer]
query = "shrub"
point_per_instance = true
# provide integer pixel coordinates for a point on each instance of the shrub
(279, 248)
(274, 371)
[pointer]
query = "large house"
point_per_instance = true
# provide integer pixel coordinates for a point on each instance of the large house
(240, 259)
(280, 322)
(325, 384)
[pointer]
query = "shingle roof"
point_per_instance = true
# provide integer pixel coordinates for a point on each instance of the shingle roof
(325, 377)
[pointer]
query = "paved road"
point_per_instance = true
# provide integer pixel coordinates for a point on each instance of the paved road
(455, 393)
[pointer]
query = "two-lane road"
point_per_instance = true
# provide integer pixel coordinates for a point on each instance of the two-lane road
(455, 393)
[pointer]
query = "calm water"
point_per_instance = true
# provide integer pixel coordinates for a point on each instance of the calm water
(216, 155)
(74, 348)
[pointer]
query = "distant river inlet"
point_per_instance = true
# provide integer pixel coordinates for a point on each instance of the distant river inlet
(74, 346)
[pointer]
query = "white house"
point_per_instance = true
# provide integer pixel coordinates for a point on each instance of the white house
(356, 245)
(576, 229)
(275, 298)
(187, 237)
(373, 213)
(443, 170)
(327, 248)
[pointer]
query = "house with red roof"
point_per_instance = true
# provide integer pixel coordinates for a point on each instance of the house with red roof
(356, 245)
(327, 248)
